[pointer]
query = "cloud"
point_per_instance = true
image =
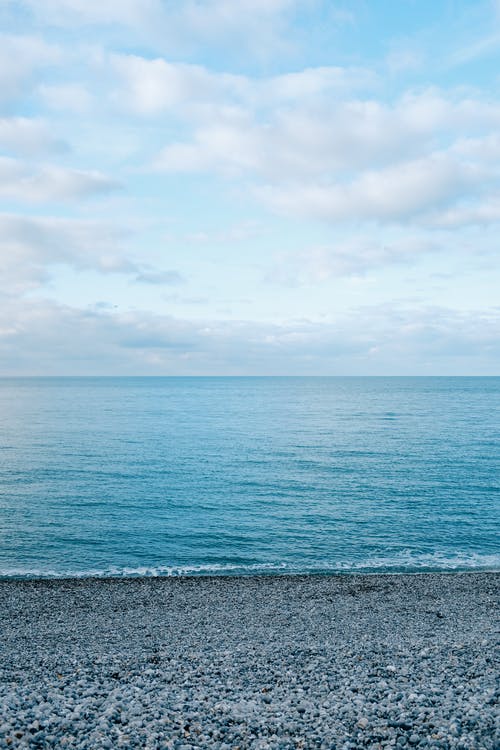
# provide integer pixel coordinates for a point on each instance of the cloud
(46, 338)
(239, 232)
(485, 149)
(220, 147)
(42, 183)
(322, 138)
(72, 97)
(93, 12)
(31, 245)
(482, 47)
(309, 83)
(404, 57)
(354, 256)
(347, 160)
(214, 15)
(152, 276)
(21, 58)
(479, 213)
(399, 192)
(153, 86)
(259, 27)
(28, 136)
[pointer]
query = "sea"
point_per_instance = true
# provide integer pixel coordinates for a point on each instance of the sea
(160, 476)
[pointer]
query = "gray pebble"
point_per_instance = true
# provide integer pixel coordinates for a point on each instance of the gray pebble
(250, 663)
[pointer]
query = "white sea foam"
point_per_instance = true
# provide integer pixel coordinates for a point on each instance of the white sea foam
(406, 562)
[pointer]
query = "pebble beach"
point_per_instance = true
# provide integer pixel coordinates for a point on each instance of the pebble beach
(282, 662)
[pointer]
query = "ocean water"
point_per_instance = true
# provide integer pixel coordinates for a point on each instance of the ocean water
(166, 476)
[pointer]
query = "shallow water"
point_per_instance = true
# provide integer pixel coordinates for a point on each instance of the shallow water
(148, 476)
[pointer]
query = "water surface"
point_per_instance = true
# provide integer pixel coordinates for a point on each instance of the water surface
(147, 476)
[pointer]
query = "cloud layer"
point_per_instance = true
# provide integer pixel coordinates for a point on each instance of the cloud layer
(385, 340)
(322, 184)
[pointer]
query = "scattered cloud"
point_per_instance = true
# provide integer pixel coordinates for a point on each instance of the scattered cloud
(206, 16)
(260, 27)
(486, 45)
(404, 58)
(22, 57)
(94, 12)
(70, 97)
(31, 245)
(240, 232)
(479, 213)
(222, 110)
(47, 338)
(152, 276)
(28, 136)
(355, 256)
(154, 86)
(42, 183)
(396, 193)
(327, 137)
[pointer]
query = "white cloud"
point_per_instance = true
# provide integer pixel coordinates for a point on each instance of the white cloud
(354, 256)
(72, 97)
(313, 82)
(335, 159)
(240, 232)
(28, 136)
(398, 192)
(153, 86)
(160, 278)
(260, 27)
(480, 213)
(30, 245)
(45, 338)
(232, 13)
(321, 138)
(42, 183)
(485, 149)
(21, 57)
(404, 57)
(481, 47)
(206, 16)
(76, 12)
(220, 147)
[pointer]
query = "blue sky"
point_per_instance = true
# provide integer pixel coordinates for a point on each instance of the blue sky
(249, 187)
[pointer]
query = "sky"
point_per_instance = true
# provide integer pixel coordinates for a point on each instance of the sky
(249, 187)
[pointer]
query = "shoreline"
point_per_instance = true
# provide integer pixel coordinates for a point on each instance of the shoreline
(274, 661)
(75, 577)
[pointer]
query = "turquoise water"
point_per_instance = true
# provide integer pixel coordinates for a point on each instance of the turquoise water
(158, 476)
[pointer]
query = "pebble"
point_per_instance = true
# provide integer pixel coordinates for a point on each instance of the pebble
(270, 663)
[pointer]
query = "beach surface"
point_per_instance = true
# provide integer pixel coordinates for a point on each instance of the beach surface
(251, 662)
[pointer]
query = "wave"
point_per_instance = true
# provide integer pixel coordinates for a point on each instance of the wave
(406, 562)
